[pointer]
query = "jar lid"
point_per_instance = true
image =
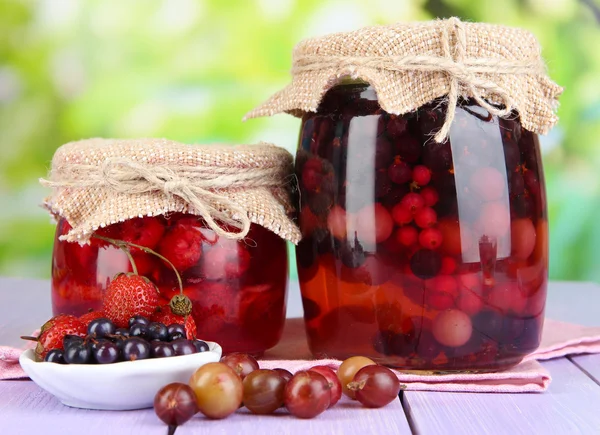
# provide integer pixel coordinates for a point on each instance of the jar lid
(411, 64)
(98, 182)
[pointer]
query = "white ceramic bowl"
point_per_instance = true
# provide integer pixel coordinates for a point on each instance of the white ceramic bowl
(119, 386)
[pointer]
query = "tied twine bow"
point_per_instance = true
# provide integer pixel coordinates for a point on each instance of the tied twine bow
(465, 74)
(198, 186)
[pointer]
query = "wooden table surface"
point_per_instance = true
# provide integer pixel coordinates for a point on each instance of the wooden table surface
(570, 406)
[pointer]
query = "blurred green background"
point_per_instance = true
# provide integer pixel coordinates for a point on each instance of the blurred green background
(189, 69)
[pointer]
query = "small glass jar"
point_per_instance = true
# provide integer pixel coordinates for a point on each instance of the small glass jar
(420, 255)
(237, 288)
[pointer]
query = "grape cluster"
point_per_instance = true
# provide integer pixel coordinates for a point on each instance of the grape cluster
(222, 388)
(107, 344)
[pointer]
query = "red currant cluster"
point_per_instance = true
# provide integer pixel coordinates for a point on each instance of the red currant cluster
(217, 390)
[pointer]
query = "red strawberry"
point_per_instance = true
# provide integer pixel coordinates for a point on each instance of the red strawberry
(128, 295)
(92, 315)
(145, 231)
(182, 246)
(53, 331)
(230, 260)
(164, 315)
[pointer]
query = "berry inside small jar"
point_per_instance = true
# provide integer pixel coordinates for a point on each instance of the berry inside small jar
(420, 255)
(237, 288)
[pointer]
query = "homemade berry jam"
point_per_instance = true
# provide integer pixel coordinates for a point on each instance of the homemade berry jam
(238, 289)
(417, 254)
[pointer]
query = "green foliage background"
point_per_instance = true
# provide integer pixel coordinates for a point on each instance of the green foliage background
(189, 69)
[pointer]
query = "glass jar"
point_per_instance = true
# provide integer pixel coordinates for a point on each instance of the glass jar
(238, 289)
(420, 255)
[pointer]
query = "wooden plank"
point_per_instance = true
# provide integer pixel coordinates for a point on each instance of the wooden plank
(24, 406)
(590, 364)
(569, 406)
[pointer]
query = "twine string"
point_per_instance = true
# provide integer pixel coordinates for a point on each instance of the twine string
(198, 186)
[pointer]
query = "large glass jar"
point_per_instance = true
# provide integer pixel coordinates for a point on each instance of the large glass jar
(420, 255)
(238, 289)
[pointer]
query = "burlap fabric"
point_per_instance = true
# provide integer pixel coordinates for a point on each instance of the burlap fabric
(410, 64)
(98, 182)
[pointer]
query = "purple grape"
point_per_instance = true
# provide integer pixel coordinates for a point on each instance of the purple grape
(176, 331)
(55, 356)
(141, 320)
(157, 331)
(160, 349)
(182, 346)
(78, 354)
(106, 353)
(425, 263)
(138, 330)
(201, 346)
(101, 327)
(69, 340)
(122, 332)
(135, 348)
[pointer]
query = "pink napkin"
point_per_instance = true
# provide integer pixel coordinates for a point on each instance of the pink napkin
(558, 339)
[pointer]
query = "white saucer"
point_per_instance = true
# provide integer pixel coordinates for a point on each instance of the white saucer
(119, 386)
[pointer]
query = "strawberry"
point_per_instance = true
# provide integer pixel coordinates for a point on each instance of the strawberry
(92, 315)
(128, 295)
(164, 315)
(53, 331)
(229, 260)
(182, 246)
(145, 231)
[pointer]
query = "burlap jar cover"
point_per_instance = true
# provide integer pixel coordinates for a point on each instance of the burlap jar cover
(98, 182)
(411, 64)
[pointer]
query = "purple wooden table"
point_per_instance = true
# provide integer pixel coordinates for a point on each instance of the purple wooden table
(570, 406)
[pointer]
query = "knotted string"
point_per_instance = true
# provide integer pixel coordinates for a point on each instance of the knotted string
(463, 73)
(198, 186)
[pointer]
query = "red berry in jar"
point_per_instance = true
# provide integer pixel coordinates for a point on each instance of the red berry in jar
(448, 266)
(452, 328)
(469, 302)
(494, 220)
(146, 231)
(456, 238)
(507, 297)
(407, 236)
(443, 283)
(413, 202)
(430, 238)
(430, 196)
(312, 176)
(401, 214)
(373, 224)
(421, 175)
(488, 183)
(522, 238)
(399, 172)
(425, 217)
(230, 259)
(439, 300)
(182, 246)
